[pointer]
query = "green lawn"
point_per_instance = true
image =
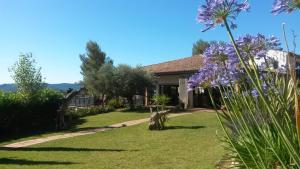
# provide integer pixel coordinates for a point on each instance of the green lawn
(110, 118)
(189, 142)
(94, 121)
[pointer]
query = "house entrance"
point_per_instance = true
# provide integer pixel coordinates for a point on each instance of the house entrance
(201, 97)
(170, 91)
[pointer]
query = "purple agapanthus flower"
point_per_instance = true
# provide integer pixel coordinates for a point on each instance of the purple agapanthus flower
(287, 6)
(257, 46)
(254, 93)
(264, 88)
(214, 12)
(221, 66)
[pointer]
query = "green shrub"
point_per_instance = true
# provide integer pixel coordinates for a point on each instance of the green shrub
(19, 112)
(115, 103)
(161, 100)
(81, 112)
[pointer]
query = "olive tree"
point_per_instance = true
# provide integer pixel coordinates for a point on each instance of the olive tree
(130, 81)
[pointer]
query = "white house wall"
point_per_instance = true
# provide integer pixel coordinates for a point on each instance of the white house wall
(168, 79)
(280, 56)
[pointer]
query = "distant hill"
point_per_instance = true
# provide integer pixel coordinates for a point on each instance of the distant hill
(64, 86)
(60, 86)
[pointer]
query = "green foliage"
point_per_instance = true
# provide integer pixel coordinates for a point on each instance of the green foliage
(261, 115)
(297, 3)
(189, 142)
(261, 130)
(104, 81)
(131, 81)
(161, 100)
(19, 112)
(82, 112)
(257, 138)
(27, 77)
(200, 46)
(93, 59)
(96, 69)
(115, 103)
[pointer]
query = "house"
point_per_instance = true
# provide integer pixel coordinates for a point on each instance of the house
(172, 80)
(82, 98)
(284, 58)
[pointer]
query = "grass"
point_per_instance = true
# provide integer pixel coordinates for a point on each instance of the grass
(110, 118)
(94, 121)
(189, 141)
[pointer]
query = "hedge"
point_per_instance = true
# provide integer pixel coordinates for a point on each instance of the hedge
(20, 113)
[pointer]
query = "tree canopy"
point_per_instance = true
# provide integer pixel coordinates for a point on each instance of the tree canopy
(93, 59)
(104, 80)
(27, 76)
(199, 47)
(95, 67)
(130, 81)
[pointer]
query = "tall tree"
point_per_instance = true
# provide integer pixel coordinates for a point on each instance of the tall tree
(91, 68)
(27, 76)
(104, 81)
(200, 46)
(93, 59)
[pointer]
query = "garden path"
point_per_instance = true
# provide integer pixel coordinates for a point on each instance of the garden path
(85, 132)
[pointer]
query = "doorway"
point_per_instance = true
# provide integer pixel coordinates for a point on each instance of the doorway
(172, 92)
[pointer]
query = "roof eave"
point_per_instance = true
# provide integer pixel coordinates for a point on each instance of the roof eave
(174, 72)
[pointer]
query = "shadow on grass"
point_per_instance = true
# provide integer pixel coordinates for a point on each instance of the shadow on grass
(70, 149)
(71, 125)
(140, 110)
(183, 127)
(95, 128)
(16, 161)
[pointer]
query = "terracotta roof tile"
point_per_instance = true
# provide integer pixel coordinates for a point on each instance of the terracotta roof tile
(188, 64)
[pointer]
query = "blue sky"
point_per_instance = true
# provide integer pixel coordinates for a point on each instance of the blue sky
(129, 31)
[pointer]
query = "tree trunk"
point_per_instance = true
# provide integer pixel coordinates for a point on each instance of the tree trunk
(61, 115)
(130, 102)
(102, 101)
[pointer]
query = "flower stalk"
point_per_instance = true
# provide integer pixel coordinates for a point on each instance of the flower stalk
(261, 108)
(291, 59)
(257, 85)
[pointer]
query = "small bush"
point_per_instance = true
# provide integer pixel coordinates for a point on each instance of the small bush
(81, 112)
(115, 104)
(161, 100)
